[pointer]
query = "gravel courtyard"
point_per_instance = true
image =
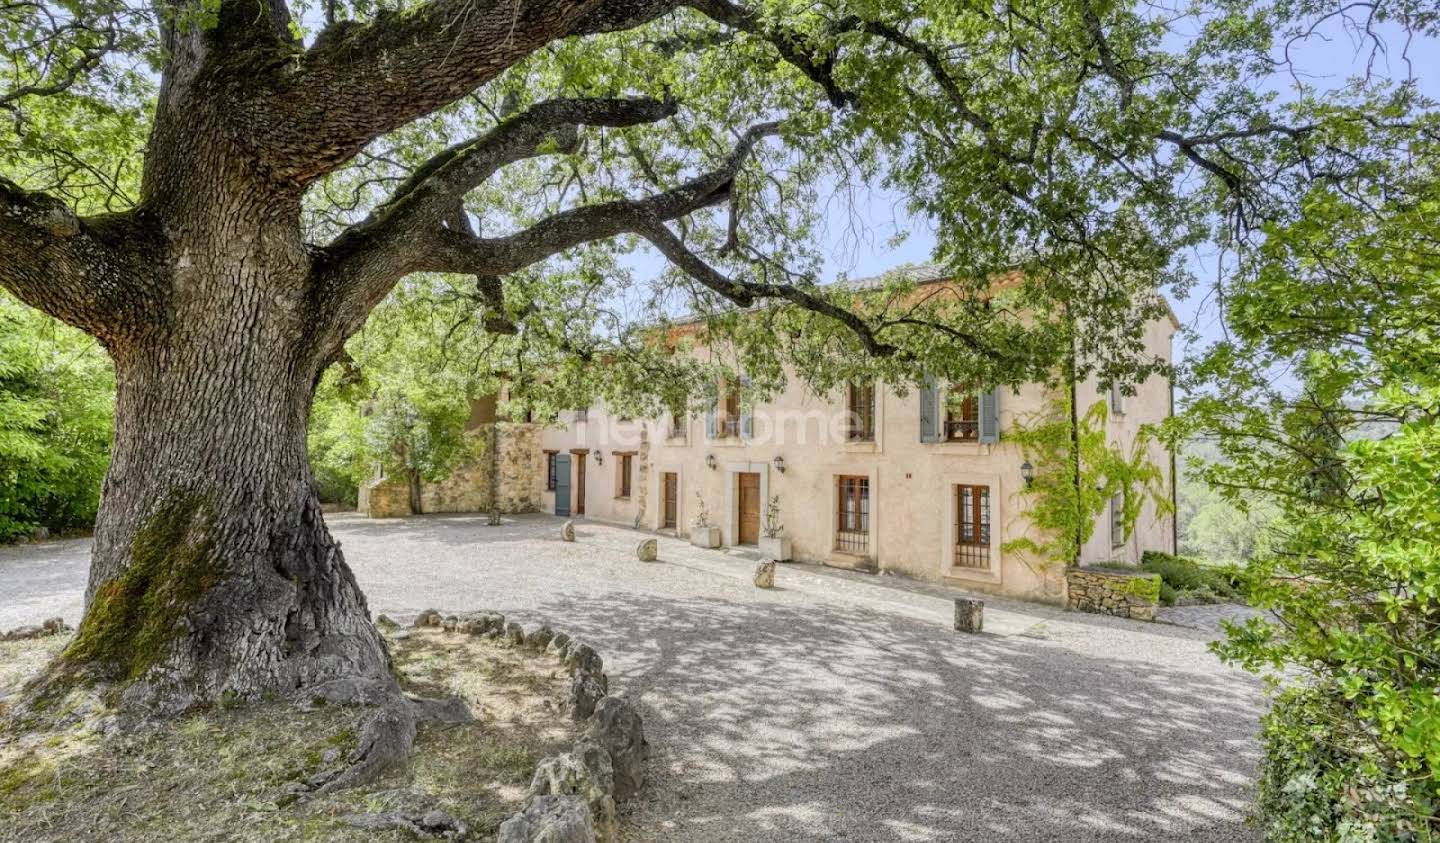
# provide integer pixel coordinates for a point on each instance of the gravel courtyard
(835, 707)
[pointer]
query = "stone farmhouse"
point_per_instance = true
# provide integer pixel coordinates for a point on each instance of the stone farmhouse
(925, 485)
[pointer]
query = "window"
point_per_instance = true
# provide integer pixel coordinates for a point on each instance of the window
(962, 416)
(582, 415)
(972, 527)
(852, 516)
(860, 412)
(1117, 521)
(1117, 400)
(729, 420)
(677, 424)
(622, 466)
(549, 471)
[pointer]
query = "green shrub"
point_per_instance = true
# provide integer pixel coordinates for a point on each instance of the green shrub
(1182, 577)
(1322, 779)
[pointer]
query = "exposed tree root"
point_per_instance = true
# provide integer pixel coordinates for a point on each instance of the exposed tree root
(388, 739)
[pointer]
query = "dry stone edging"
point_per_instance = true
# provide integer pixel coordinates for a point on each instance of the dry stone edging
(572, 796)
(53, 626)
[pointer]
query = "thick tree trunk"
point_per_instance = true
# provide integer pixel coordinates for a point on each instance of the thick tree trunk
(213, 573)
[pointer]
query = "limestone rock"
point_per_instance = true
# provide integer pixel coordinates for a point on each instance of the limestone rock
(648, 550)
(539, 638)
(616, 727)
(567, 531)
(482, 623)
(386, 623)
(514, 633)
(582, 656)
(765, 574)
(558, 642)
(550, 819)
(585, 771)
(52, 626)
(585, 691)
(429, 617)
(431, 824)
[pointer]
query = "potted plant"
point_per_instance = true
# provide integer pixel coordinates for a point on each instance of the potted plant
(702, 532)
(773, 541)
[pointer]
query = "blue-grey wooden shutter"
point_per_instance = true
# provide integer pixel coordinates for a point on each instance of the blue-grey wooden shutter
(747, 410)
(929, 419)
(562, 484)
(710, 422)
(990, 416)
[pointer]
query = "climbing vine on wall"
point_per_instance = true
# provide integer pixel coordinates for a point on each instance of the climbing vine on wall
(1063, 512)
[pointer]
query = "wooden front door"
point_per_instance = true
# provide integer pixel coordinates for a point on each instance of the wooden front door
(670, 485)
(749, 505)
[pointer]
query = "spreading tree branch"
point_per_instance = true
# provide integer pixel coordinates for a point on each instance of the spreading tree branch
(361, 81)
(458, 251)
(424, 222)
(81, 271)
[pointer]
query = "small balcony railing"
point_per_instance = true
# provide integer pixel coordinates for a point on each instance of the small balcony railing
(962, 431)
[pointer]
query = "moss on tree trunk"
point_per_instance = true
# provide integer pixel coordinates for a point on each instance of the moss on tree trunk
(134, 620)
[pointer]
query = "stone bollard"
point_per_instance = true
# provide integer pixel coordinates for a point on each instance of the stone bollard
(567, 531)
(969, 614)
(765, 574)
(647, 550)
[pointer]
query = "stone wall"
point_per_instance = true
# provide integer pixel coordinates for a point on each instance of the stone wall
(1119, 593)
(521, 472)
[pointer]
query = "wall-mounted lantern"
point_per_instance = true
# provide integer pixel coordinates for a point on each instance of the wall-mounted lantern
(710, 461)
(1027, 471)
(780, 464)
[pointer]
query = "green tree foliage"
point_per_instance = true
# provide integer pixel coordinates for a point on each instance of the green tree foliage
(1213, 528)
(401, 399)
(56, 392)
(1325, 405)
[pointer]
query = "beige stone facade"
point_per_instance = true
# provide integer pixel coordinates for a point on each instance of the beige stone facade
(468, 487)
(921, 499)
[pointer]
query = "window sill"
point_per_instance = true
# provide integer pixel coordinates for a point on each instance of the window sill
(727, 442)
(985, 575)
(851, 561)
(970, 449)
(677, 440)
(860, 446)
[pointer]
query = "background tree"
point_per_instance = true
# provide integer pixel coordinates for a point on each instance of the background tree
(56, 389)
(1325, 406)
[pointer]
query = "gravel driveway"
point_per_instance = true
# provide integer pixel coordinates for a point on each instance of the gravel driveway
(837, 706)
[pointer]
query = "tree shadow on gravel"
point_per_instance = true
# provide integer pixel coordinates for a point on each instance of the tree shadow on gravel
(775, 722)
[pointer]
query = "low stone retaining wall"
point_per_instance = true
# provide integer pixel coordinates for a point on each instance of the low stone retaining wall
(1122, 594)
(572, 796)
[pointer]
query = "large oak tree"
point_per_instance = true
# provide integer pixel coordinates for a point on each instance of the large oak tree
(297, 168)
